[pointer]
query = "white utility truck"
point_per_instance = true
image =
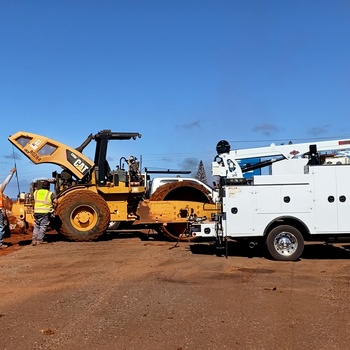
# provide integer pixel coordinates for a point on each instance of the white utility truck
(302, 197)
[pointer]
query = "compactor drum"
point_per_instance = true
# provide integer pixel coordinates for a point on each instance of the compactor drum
(190, 193)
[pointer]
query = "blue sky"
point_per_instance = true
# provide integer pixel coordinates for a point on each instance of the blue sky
(183, 73)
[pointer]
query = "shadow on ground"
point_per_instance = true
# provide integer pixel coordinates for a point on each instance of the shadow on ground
(317, 250)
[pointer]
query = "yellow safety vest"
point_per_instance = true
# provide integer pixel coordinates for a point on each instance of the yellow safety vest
(1, 201)
(42, 201)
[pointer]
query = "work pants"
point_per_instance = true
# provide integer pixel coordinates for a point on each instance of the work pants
(41, 223)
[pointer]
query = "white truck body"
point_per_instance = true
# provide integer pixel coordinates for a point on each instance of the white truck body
(294, 203)
(317, 203)
(319, 200)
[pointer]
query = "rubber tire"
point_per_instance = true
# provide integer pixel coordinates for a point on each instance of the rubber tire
(86, 201)
(275, 254)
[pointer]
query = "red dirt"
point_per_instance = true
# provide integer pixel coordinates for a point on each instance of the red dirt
(15, 242)
(128, 293)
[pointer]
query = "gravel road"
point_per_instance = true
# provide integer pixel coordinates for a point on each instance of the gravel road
(128, 293)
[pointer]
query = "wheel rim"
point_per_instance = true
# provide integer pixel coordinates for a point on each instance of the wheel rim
(84, 218)
(285, 243)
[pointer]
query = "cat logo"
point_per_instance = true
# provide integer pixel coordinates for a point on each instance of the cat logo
(80, 165)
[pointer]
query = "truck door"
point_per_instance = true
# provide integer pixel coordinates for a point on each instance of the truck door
(343, 197)
(331, 198)
(238, 204)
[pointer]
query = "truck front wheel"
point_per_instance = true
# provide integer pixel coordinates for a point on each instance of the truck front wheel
(285, 243)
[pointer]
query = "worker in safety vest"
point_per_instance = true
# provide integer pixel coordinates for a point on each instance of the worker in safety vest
(43, 208)
(2, 209)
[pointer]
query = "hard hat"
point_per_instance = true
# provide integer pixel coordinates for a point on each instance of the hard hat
(45, 184)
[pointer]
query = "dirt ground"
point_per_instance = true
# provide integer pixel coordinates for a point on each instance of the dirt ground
(127, 292)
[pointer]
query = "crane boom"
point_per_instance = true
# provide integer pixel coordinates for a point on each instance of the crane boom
(226, 163)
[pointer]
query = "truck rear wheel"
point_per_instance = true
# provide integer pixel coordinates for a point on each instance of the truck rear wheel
(83, 214)
(285, 242)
